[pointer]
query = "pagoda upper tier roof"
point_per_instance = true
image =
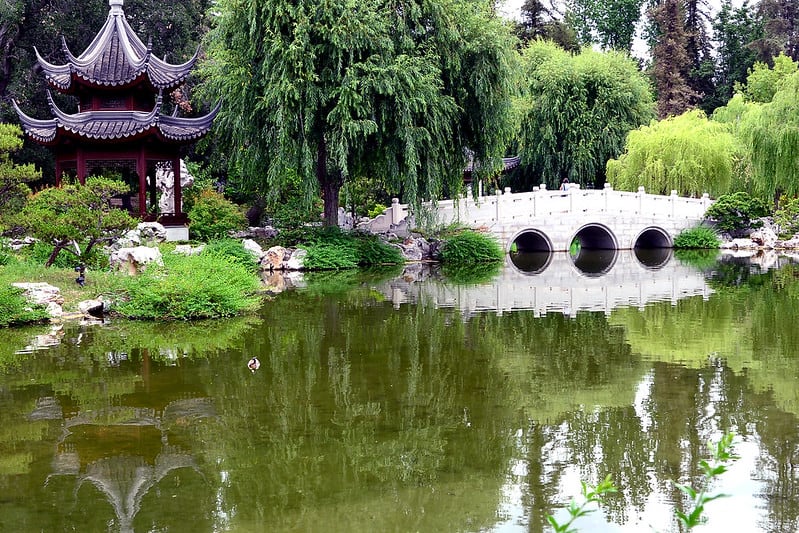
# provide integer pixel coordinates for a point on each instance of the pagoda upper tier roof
(116, 57)
(114, 125)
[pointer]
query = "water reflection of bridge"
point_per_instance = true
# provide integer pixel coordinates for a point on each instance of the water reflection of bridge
(561, 284)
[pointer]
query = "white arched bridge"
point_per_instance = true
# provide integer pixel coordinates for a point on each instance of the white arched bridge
(544, 220)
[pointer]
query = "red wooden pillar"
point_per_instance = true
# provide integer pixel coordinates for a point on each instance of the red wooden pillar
(178, 196)
(141, 170)
(59, 171)
(80, 162)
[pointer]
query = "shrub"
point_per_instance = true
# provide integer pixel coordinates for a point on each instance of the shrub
(233, 251)
(735, 212)
(15, 308)
(471, 247)
(333, 249)
(698, 237)
(212, 216)
(787, 218)
(191, 287)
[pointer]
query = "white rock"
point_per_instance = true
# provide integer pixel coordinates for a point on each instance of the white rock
(188, 249)
(254, 248)
(296, 261)
(132, 260)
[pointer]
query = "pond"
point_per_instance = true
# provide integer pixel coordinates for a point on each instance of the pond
(400, 401)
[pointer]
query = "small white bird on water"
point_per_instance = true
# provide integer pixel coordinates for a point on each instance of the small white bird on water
(254, 364)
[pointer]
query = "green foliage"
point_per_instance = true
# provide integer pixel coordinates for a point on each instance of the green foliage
(591, 496)
(735, 212)
(233, 251)
(610, 24)
(191, 287)
(687, 153)
(722, 456)
(471, 274)
(763, 81)
(16, 310)
(13, 177)
(701, 259)
(577, 111)
(333, 249)
(342, 89)
(6, 254)
(75, 214)
(213, 216)
(700, 237)
(469, 246)
(787, 217)
(769, 134)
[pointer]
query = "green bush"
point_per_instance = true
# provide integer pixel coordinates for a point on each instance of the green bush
(334, 249)
(16, 310)
(232, 250)
(700, 237)
(213, 216)
(787, 218)
(191, 287)
(6, 254)
(471, 247)
(735, 212)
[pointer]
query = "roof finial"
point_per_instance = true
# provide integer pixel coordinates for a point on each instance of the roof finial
(116, 5)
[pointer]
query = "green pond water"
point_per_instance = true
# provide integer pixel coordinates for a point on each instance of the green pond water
(400, 401)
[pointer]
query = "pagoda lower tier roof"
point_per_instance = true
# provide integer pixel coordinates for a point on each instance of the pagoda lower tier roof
(114, 125)
(116, 57)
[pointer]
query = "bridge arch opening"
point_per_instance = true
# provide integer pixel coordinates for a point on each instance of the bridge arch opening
(594, 237)
(530, 251)
(653, 238)
(530, 240)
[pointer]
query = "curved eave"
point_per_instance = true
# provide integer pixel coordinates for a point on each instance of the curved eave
(41, 131)
(59, 76)
(165, 75)
(184, 129)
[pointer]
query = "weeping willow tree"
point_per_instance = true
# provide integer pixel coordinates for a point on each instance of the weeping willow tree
(770, 133)
(578, 110)
(397, 90)
(687, 153)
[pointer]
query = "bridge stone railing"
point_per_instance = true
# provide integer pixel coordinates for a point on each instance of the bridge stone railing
(504, 207)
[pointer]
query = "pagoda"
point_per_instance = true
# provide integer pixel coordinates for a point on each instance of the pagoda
(119, 84)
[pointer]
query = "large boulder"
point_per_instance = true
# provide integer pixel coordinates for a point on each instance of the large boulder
(133, 260)
(254, 248)
(44, 294)
(273, 258)
(296, 261)
(764, 238)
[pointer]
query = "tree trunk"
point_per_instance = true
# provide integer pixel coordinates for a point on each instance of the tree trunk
(330, 183)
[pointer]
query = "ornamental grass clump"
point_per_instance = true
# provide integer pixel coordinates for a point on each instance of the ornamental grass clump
(333, 249)
(700, 237)
(234, 251)
(471, 247)
(191, 287)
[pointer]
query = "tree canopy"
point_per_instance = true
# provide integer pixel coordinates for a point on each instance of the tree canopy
(75, 215)
(687, 153)
(578, 110)
(331, 90)
(13, 177)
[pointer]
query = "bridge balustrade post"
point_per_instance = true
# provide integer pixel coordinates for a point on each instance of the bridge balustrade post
(641, 193)
(673, 200)
(395, 211)
(705, 201)
(606, 193)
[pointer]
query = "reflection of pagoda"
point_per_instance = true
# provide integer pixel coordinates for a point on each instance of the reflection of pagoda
(145, 456)
(119, 84)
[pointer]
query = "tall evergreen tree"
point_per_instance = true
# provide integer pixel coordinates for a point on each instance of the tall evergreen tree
(780, 21)
(610, 24)
(671, 62)
(734, 28)
(400, 91)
